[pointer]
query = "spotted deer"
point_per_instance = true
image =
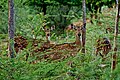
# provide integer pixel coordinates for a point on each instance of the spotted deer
(78, 32)
(48, 32)
(76, 28)
(103, 47)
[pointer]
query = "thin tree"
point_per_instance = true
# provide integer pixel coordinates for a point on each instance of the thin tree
(84, 26)
(11, 28)
(114, 56)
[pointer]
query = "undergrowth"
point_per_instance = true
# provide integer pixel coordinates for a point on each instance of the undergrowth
(81, 67)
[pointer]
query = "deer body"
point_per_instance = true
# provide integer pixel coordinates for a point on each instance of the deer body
(104, 46)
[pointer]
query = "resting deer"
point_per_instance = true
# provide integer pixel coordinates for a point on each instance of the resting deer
(57, 50)
(103, 47)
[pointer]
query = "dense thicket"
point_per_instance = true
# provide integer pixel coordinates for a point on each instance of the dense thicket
(59, 13)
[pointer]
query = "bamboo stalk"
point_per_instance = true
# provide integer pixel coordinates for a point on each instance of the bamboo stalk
(114, 55)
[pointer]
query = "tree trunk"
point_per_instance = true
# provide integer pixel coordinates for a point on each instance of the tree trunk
(84, 27)
(114, 56)
(44, 8)
(11, 28)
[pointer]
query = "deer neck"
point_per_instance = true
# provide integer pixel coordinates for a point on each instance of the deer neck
(48, 38)
(78, 40)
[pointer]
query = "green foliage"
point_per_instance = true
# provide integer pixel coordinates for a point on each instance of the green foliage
(38, 21)
(30, 22)
(3, 5)
(3, 21)
(84, 67)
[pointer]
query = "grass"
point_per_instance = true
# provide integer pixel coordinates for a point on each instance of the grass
(81, 67)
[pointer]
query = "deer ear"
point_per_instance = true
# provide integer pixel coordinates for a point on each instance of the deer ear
(82, 28)
(84, 25)
(52, 27)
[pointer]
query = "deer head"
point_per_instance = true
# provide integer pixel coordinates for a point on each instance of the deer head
(47, 31)
(70, 27)
(78, 33)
